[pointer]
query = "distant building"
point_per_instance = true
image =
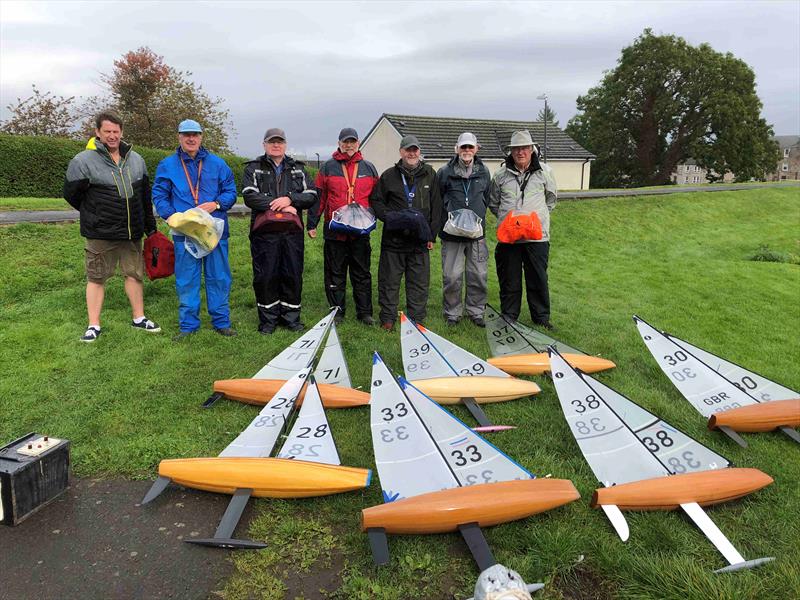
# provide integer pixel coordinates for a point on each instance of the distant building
(688, 173)
(789, 162)
(570, 162)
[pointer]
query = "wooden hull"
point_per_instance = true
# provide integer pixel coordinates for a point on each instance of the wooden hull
(759, 417)
(485, 390)
(267, 477)
(538, 364)
(261, 391)
(668, 493)
(486, 504)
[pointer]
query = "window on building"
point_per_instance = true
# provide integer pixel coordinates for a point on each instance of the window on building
(785, 167)
(785, 152)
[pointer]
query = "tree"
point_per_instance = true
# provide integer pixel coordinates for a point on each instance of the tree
(666, 102)
(41, 114)
(152, 98)
(547, 115)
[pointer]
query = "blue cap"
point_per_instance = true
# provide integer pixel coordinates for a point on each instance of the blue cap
(189, 126)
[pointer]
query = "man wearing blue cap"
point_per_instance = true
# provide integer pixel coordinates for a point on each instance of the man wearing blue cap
(194, 177)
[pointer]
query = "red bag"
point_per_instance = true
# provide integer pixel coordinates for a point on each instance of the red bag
(159, 256)
(519, 227)
(273, 221)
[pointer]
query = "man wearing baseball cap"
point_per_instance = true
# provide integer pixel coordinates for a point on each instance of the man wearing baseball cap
(524, 185)
(344, 179)
(276, 182)
(194, 177)
(407, 200)
(464, 186)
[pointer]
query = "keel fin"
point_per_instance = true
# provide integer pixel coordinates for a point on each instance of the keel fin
(472, 534)
(791, 432)
(733, 435)
(618, 521)
(477, 412)
(159, 485)
(379, 545)
(713, 533)
(212, 399)
(223, 536)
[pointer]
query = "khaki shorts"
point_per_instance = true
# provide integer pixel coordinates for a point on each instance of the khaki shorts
(102, 257)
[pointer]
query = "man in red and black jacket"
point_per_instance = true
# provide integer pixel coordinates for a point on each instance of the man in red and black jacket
(343, 179)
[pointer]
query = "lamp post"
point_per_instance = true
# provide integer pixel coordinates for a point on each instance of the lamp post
(317, 153)
(544, 97)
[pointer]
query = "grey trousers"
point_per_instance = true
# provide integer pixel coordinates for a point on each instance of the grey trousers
(462, 260)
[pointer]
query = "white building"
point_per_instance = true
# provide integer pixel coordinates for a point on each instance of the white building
(437, 136)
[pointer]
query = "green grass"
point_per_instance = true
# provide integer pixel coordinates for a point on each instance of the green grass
(34, 204)
(680, 261)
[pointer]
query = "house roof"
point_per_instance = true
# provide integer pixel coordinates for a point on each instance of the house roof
(438, 135)
(784, 141)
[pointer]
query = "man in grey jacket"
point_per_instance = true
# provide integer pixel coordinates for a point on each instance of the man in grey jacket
(524, 185)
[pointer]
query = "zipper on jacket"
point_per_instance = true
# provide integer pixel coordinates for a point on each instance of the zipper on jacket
(127, 199)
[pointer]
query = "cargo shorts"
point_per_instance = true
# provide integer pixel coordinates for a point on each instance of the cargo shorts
(102, 257)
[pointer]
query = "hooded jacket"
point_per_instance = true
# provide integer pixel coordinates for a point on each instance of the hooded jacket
(389, 197)
(113, 199)
(540, 193)
(332, 188)
(453, 189)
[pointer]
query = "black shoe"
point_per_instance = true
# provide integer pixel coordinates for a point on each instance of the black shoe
(92, 333)
(266, 329)
(452, 322)
(146, 325)
(182, 335)
(337, 320)
(479, 322)
(226, 331)
(299, 326)
(367, 320)
(545, 325)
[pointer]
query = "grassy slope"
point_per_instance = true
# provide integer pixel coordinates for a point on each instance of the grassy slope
(678, 261)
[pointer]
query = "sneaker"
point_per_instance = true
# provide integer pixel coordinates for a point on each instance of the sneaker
(479, 322)
(299, 326)
(146, 325)
(367, 320)
(226, 331)
(92, 333)
(388, 326)
(182, 335)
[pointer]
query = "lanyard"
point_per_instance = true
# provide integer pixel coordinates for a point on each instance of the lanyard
(194, 190)
(466, 189)
(351, 183)
(410, 193)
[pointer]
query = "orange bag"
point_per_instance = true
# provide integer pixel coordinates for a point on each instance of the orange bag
(519, 227)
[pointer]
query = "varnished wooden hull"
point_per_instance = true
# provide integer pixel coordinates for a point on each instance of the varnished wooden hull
(538, 364)
(267, 477)
(765, 416)
(668, 493)
(261, 391)
(486, 504)
(485, 390)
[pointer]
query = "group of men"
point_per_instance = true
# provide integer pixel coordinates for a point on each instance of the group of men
(109, 185)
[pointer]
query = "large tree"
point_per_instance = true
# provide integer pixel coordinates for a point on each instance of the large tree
(41, 114)
(152, 98)
(667, 101)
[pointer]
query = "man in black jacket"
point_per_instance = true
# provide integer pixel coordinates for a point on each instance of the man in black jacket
(108, 184)
(276, 182)
(407, 200)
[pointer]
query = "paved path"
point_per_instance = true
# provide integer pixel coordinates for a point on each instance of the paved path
(64, 216)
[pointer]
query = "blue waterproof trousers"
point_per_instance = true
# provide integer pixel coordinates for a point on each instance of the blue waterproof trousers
(188, 270)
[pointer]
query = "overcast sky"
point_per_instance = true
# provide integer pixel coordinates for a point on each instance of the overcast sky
(313, 68)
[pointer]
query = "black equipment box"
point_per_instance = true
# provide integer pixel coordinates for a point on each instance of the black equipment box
(34, 470)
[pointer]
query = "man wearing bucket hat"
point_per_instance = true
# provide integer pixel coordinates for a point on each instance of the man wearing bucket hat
(464, 187)
(344, 179)
(523, 187)
(407, 200)
(194, 177)
(277, 186)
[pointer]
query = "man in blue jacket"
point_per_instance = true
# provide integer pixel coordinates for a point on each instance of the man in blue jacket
(194, 177)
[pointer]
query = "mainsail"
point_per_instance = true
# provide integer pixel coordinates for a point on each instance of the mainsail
(311, 438)
(507, 337)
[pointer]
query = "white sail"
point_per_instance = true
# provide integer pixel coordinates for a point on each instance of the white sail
(462, 362)
(311, 438)
(758, 386)
(420, 358)
(707, 390)
(506, 337)
(259, 438)
(298, 355)
(471, 458)
(408, 461)
(332, 366)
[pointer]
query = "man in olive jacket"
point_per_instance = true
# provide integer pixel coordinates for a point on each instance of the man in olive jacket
(108, 184)
(407, 200)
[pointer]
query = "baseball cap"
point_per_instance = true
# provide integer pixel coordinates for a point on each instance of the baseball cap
(274, 132)
(189, 126)
(348, 133)
(467, 139)
(409, 141)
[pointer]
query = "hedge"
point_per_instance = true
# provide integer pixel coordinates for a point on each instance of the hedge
(34, 166)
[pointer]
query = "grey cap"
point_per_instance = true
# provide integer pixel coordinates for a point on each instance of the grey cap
(274, 132)
(467, 139)
(520, 138)
(348, 133)
(408, 142)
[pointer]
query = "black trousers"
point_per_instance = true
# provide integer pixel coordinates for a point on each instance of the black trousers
(416, 266)
(514, 259)
(277, 277)
(351, 255)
